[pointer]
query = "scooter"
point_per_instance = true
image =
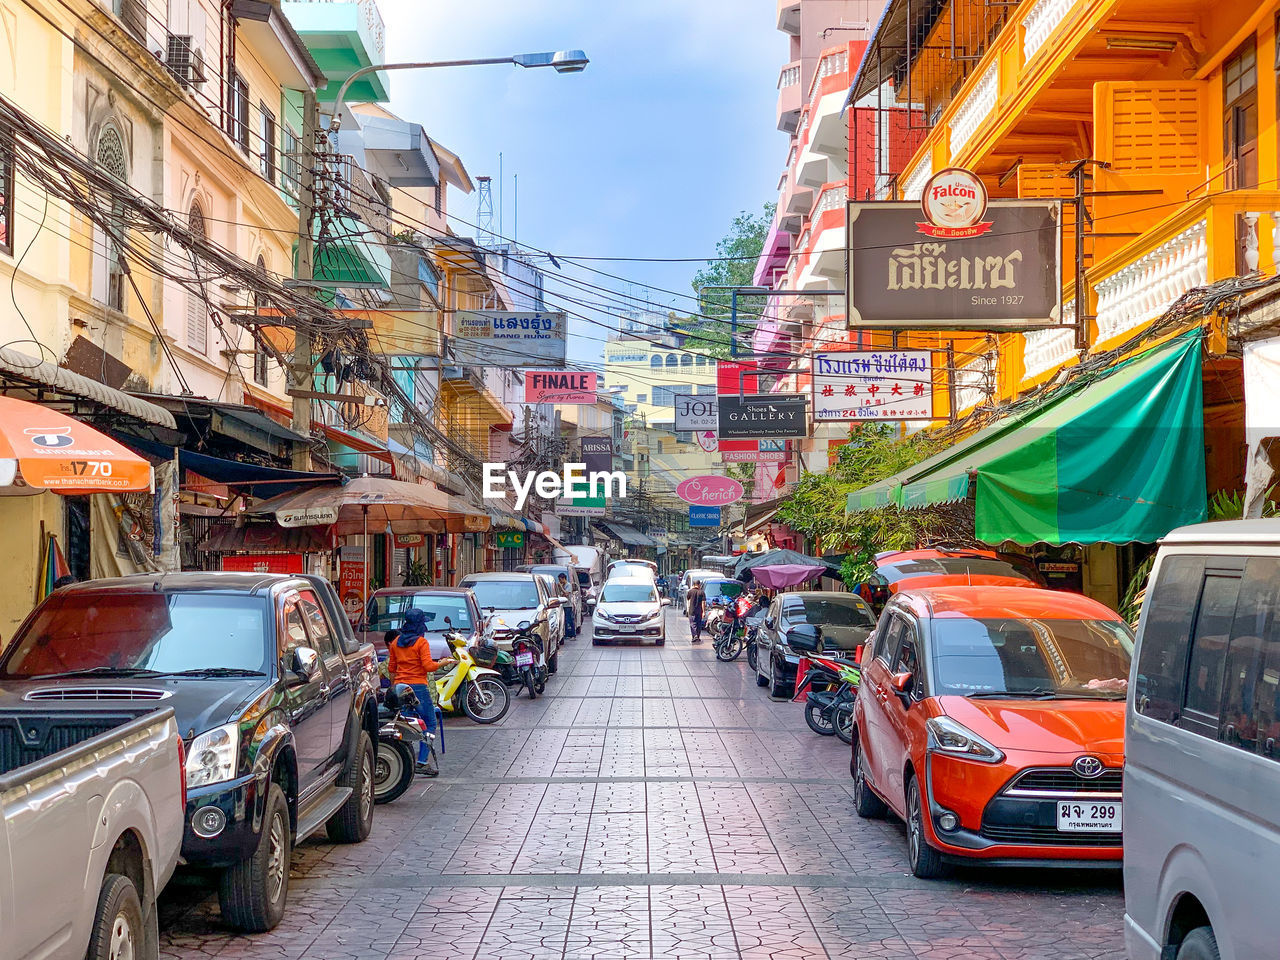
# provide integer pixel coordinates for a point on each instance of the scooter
(829, 687)
(476, 690)
(398, 739)
(530, 661)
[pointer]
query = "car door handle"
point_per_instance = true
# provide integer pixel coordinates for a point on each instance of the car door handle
(324, 689)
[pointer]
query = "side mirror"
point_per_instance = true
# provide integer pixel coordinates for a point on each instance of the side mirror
(806, 638)
(304, 666)
(666, 601)
(902, 685)
(556, 602)
(523, 625)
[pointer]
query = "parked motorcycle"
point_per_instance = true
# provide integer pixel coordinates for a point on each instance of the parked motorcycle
(530, 662)
(829, 687)
(476, 690)
(398, 739)
(736, 632)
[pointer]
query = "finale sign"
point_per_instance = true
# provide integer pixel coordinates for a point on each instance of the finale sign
(560, 386)
(968, 265)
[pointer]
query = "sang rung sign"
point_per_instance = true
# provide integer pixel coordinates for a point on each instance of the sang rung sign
(1002, 273)
(873, 385)
(500, 339)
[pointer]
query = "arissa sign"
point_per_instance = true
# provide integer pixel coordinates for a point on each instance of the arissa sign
(710, 491)
(955, 261)
(763, 415)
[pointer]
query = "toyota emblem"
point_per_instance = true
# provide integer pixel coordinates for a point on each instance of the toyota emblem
(1088, 767)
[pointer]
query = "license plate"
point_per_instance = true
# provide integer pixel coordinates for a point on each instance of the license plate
(1079, 817)
(524, 659)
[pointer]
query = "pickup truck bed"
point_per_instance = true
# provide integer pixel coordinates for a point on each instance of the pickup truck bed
(90, 808)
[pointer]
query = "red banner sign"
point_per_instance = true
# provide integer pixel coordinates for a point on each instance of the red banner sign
(264, 563)
(560, 386)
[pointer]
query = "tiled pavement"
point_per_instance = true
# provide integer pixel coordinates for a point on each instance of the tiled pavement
(654, 804)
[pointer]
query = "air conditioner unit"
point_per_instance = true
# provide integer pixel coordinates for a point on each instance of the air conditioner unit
(184, 62)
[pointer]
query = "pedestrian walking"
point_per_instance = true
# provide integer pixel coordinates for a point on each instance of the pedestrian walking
(562, 588)
(411, 662)
(697, 604)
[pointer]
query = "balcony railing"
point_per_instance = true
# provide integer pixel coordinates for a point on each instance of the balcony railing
(972, 384)
(1040, 22)
(372, 23)
(1043, 350)
(829, 65)
(913, 183)
(979, 105)
(1143, 289)
(789, 77)
(831, 198)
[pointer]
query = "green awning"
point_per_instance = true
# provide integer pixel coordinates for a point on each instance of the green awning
(1112, 461)
(351, 253)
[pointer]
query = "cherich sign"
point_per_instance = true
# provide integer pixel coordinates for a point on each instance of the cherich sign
(971, 264)
(710, 491)
(873, 385)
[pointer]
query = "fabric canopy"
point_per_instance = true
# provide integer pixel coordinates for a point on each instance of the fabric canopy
(777, 558)
(373, 503)
(250, 478)
(628, 535)
(1116, 460)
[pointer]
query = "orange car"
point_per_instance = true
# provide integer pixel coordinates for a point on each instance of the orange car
(941, 565)
(991, 720)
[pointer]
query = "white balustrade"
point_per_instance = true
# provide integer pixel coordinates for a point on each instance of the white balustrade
(1040, 22)
(981, 101)
(1252, 255)
(913, 183)
(829, 65)
(972, 384)
(789, 77)
(1145, 288)
(1043, 350)
(831, 198)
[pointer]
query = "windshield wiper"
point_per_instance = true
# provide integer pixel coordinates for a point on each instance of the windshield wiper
(1011, 695)
(103, 672)
(215, 672)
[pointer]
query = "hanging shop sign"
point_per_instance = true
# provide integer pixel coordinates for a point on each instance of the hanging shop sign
(710, 491)
(751, 456)
(307, 517)
(704, 516)
(560, 386)
(351, 579)
(500, 339)
(765, 415)
(696, 413)
(873, 385)
(969, 264)
(707, 440)
(597, 454)
(509, 539)
(264, 563)
(410, 539)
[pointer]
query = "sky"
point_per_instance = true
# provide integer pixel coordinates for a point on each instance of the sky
(650, 152)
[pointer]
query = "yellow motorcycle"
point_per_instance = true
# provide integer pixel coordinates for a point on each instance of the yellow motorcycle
(478, 691)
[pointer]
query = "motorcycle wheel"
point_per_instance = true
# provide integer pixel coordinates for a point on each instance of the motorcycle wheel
(540, 686)
(724, 646)
(818, 722)
(392, 770)
(529, 685)
(842, 722)
(751, 655)
(486, 700)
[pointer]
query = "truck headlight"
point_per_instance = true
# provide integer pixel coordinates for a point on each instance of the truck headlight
(956, 740)
(212, 756)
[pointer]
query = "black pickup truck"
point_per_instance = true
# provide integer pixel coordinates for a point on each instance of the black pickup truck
(275, 703)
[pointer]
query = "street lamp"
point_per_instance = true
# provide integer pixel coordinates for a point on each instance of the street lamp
(562, 61)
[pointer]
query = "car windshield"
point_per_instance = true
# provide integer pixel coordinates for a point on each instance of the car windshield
(584, 579)
(550, 570)
(628, 593)
(387, 612)
(845, 622)
(505, 594)
(630, 570)
(165, 633)
(955, 566)
(722, 589)
(1031, 657)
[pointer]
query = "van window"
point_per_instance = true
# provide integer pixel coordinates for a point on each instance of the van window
(1209, 648)
(1162, 655)
(1251, 687)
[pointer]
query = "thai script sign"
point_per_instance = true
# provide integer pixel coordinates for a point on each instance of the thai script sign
(560, 386)
(499, 339)
(873, 385)
(933, 276)
(763, 415)
(709, 491)
(696, 413)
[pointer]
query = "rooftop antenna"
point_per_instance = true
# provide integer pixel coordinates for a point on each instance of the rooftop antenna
(484, 209)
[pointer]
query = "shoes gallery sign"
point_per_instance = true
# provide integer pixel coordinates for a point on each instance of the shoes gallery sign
(761, 416)
(968, 264)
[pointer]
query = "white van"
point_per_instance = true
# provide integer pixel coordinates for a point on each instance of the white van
(1202, 749)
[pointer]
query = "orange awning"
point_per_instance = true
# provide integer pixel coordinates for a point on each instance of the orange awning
(45, 449)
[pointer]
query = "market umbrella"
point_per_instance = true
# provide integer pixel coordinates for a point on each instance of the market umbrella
(382, 502)
(778, 558)
(42, 449)
(777, 576)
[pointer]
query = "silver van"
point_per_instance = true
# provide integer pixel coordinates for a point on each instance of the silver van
(1202, 751)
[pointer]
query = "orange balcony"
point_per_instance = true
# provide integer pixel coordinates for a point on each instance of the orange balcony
(790, 97)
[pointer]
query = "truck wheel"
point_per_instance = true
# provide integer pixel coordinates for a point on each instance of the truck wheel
(118, 932)
(253, 892)
(352, 823)
(1199, 944)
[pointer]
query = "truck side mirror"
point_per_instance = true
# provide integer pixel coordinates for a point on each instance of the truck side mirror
(304, 665)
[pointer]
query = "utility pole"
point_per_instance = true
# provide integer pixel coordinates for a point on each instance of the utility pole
(303, 364)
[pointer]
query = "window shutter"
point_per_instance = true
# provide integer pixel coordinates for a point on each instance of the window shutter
(197, 323)
(1152, 127)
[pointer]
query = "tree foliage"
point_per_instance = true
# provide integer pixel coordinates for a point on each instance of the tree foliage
(736, 255)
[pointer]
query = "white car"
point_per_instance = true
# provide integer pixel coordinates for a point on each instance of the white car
(507, 599)
(629, 609)
(687, 581)
(632, 568)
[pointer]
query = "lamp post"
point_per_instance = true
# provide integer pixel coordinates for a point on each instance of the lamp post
(562, 61)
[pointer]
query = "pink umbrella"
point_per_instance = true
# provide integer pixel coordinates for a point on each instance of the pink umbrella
(786, 574)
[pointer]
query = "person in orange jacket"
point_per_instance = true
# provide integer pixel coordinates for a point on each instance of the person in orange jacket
(410, 662)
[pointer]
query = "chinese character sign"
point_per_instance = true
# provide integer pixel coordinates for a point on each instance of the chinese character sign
(873, 385)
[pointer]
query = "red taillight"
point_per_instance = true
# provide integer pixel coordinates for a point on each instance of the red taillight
(182, 773)
(857, 655)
